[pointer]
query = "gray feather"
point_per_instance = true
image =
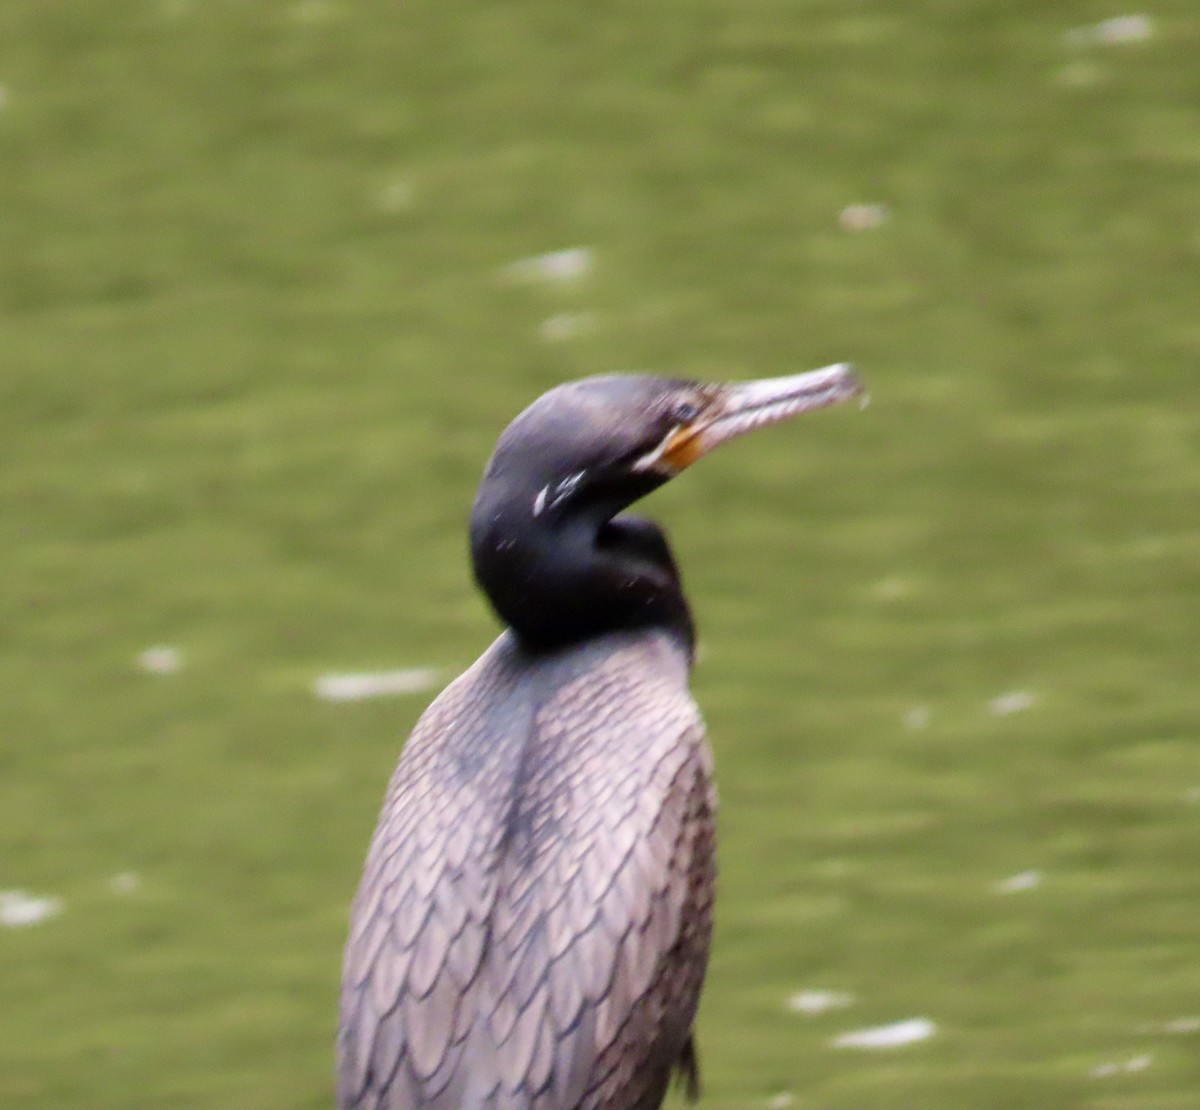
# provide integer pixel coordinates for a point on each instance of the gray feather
(533, 921)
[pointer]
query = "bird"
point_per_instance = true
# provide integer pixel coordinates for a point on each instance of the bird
(532, 926)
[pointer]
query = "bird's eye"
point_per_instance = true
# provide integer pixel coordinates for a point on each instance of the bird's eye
(684, 412)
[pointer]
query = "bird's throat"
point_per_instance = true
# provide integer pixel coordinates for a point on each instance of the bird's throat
(564, 581)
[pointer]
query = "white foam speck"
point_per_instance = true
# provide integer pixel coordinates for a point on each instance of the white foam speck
(125, 883)
(375, 684)
(781, 1101)
(569, 264)
(862, 217)
(1014, 701)
(1122, 1067)
(1022, 880)
(564, 326)
(819, 1002)
(895, 1035)
(1115, 31)
(917, 718)
(161, 660)
(1183, 1025)
(1177, 1027)
(397, 196)
(893, 588)
(19, 908)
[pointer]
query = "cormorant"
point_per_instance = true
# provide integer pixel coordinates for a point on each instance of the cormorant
(532, 927)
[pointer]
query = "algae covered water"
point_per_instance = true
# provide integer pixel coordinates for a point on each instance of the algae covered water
(275, 274)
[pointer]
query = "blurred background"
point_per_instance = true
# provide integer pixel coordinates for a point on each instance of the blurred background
(273, 276)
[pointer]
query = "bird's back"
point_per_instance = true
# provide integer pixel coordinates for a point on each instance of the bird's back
(533, 922)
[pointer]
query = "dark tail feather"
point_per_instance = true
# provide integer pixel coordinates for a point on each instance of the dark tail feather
(687, 1069)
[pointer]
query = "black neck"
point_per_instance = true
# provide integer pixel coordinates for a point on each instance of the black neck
(557, 580)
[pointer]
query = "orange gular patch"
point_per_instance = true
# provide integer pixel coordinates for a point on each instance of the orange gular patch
(682, 447)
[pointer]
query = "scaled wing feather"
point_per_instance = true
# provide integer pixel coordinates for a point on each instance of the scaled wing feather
(541, 938)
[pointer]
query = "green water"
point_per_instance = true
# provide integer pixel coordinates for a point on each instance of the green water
(257, 336)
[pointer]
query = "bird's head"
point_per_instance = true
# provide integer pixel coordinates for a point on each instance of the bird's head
(583, 452)
(603, 442)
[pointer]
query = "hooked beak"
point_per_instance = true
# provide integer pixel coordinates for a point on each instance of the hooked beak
(740, 407)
